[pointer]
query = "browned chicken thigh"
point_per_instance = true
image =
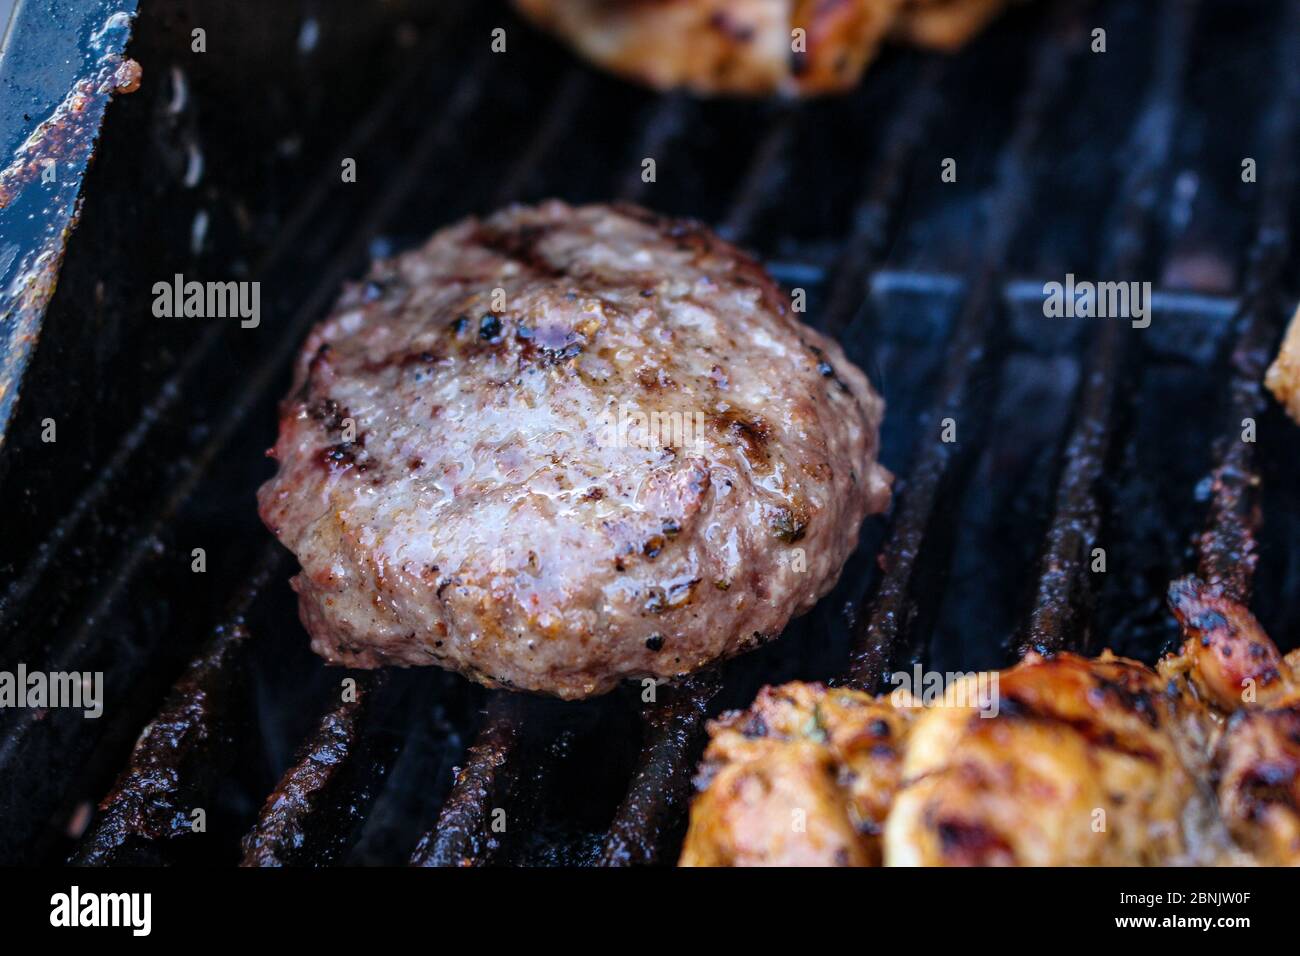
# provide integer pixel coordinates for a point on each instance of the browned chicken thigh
(1283, 377)
(1068, 761)
(752, 47)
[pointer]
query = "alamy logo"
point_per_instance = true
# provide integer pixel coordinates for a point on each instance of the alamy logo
(630, 427)
(75, 908)
(977, 690)
(79, 690)
(208, 300)
(1101, 300)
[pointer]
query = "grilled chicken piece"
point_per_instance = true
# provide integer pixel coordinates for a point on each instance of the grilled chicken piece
(1257, 765)
(805, 777)
(563, 446)
(749, 46)
(1238, 669)
(1283, 377)
(1226, 654)
(1087, 761)
(1081, 766)
(944, 24)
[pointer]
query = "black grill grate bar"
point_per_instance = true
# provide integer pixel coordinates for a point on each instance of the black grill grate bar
(315, 809)
(665, 121)
(559, 119)
(879, 634)
(463, 835)
(766, 169)
(1055, 621)
(182, 753)
(173, 388)
(1226, 549)
(1024, 291)
(873, 216)
(661, 782)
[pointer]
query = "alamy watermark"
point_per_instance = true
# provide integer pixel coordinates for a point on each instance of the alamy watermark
(78, 690)
(208, 300)
(630, 427)
(977, 690)
(1101, 300)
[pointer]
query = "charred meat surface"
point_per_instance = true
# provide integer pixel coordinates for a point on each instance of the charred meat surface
(559, 447)
(1060, 761)
(753, 47)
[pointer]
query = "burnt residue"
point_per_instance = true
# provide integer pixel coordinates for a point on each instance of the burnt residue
(346, 455)
(825, 369)
(788, 523)
(971, 843)
(329, 413)
(519, 244)
(747, 431)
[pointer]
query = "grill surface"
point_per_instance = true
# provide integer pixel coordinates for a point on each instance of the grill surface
(1072, 434)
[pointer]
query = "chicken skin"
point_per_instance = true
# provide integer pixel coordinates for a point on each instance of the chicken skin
(805, 777)
(1283, 378)
(1256, 762)
(1079, 761)
(1081, 766)
(752, 47)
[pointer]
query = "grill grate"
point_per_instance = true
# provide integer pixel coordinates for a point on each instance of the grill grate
(949, 277)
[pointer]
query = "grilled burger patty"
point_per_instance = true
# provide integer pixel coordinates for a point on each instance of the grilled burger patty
(748, 46)
(1064, 761)
(560, 447)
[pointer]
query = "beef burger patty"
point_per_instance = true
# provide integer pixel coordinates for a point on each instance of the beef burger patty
(559, 447)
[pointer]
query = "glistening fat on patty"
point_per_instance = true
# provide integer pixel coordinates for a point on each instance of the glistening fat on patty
(468, 478)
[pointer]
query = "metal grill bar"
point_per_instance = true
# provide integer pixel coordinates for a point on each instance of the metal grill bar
(665, 122)
(873, 216)
(1226, 549)
(463, 835)
(564, 106)
(661, 782)
(312, 814)
(1055, 621)
(766, 169)
(892, 608)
